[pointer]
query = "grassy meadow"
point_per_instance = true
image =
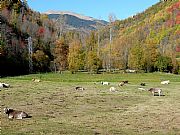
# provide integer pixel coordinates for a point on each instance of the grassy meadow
(58, 109)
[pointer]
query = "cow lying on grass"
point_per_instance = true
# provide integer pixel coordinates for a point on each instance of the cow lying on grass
(123, 83)
(4, 85)
(143, 84)
(140, 88)
(80, 88)
(155, 90)
(15, 114)
(105, 83)
(112, 89)
(126, 81)
(36, 80)
(165, 82)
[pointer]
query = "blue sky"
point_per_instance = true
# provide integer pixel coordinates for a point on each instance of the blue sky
(99, 9)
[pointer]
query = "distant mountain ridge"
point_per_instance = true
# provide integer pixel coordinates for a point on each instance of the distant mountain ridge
(74, 21)
(69, 13)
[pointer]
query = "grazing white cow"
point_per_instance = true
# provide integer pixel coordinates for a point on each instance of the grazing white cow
(105, 83)
(15, 114)
(165, 82)
(4, 85)
(155, 90)
(112, 89)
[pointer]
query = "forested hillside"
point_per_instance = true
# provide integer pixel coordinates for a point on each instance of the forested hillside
(148, 41)
(18, 23)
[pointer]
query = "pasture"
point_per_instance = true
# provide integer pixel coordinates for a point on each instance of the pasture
(57, 108)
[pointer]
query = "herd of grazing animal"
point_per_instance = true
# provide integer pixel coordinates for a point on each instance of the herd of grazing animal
(152, 90)
(15, 114)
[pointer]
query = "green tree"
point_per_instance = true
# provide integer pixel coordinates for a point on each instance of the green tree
(135, 60)
(93, 63)
(151, 54)
(164, 64)
(75, 56)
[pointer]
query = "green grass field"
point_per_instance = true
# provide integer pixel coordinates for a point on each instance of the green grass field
(57, 108)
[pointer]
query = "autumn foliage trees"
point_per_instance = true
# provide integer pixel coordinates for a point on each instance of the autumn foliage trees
(18, 22)
(76, 56)
(70, 53)
(147, 41)
(61, 54)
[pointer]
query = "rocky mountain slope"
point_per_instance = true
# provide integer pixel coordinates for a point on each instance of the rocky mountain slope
(73, 21)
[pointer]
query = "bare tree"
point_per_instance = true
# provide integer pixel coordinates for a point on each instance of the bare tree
(112, 19)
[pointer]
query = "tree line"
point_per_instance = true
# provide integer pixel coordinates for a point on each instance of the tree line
(145, 42)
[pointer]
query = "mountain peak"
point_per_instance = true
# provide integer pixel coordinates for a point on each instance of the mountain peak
(70, 13)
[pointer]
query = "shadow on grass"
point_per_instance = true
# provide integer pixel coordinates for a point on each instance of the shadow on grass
(160, 95)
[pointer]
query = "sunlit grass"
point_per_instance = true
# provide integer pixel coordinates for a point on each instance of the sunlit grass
(56, 108)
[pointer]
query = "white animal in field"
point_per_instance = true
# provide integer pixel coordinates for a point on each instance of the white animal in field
(155, 90)
(36, 80)
(1, 85)
(165, 82)
(141, 88)
(131, 71)
(80, 88)
(121, 84)
(112, 89)
(4, 85)
(105, 83)
(15, 114)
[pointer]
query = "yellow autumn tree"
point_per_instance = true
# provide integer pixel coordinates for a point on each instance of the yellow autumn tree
(75, 56)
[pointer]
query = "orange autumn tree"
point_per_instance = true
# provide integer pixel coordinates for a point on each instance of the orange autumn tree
(61, 54)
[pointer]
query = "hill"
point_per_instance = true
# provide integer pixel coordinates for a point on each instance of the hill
(18, 23)
(74, 21)
(140, 40)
